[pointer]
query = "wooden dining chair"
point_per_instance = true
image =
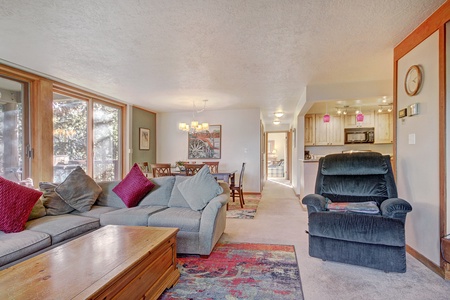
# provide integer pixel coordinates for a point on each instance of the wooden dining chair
(213, 166)
(192, 169)
(160, 170)
(238, 190)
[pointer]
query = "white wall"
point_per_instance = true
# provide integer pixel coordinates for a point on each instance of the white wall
(240, 140)
(418, 164)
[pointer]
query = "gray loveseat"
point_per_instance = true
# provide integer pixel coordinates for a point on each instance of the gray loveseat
(164, 206)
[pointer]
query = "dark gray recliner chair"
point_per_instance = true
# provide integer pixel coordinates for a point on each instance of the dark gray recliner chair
(369, 240)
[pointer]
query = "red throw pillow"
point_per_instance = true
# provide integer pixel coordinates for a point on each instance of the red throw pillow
(133, 187)
(16, 203)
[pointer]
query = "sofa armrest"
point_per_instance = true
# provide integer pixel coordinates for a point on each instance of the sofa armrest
(315, 202)
(213, 221)
(395, 208)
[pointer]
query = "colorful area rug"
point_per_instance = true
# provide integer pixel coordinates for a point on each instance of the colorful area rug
(248, 212)
(239, 271)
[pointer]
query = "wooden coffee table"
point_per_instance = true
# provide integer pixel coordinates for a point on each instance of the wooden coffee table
(113, 262)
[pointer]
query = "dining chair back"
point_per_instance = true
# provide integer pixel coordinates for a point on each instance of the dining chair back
(143, 166)
(238, 190)
(192, 169)
(213, 166)
(160, 170)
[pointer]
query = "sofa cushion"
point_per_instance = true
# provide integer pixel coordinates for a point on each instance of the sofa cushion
(53, 204)
(133, 187)
(79, 190)
(160, 194)
(176, 198)
(199, 189)
(38, 210)
(14, 246)
(63, 227)
(95, 212)
(16, 203)
(185, 219)
(107, 197)
(134, 216)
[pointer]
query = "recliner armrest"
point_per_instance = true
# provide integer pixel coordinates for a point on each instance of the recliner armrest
(315, 202)
(395, 208)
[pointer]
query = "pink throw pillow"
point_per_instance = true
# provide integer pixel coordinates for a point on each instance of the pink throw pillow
(16, 203)
(133, 187)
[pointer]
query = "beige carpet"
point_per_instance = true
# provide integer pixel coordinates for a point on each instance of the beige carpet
(281, 220)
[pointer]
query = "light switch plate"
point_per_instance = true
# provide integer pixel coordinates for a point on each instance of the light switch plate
(413, 109)
(412, 138)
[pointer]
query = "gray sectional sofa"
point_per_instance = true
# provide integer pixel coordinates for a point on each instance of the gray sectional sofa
(164, 206)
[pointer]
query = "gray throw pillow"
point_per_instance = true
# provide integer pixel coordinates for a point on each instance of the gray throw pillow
(79, 190)
(176, 198)
(107, 197)
(38, 210)
(199, 189)
(53, 204)
(160, 194)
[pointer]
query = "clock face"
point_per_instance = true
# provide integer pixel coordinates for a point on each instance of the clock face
(413, 80)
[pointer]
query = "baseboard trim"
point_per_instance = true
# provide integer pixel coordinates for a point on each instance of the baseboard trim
(428, 263)
(252, 193)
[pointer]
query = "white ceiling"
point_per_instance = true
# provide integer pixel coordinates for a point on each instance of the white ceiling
(236, 53)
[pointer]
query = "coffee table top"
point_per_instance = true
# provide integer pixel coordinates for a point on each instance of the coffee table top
(82, 265)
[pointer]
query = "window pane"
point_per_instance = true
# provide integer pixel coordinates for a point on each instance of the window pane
(69, 135)
(106, 142)
(11, 129)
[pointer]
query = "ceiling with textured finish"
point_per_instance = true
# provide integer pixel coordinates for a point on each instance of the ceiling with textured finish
(165, 54)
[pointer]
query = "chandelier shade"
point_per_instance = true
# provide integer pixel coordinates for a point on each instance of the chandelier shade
(195, 126)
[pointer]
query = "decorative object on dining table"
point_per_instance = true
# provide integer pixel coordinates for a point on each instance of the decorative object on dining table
(180, 165)
(205, 144)
(144, 138)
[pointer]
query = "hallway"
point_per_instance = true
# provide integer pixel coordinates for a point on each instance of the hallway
(281, 219)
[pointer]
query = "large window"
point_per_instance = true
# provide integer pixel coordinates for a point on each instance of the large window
(106, 142)
(14, 161)
(93, 146)
(70, 135)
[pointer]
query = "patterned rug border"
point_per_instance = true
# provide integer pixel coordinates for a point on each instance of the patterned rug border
(236, 212)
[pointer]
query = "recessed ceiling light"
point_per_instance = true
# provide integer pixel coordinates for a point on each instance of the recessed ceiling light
(279, 114)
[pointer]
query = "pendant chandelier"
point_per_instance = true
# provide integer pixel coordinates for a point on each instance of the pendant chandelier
(195, 125)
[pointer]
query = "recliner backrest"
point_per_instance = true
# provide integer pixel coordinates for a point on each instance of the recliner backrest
(356, 177)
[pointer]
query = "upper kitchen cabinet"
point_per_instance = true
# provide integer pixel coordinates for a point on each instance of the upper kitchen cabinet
(350, 120)
(384, 128)
(310, 138)
(330, 133)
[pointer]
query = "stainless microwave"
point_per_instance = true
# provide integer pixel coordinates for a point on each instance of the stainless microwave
(359, 135)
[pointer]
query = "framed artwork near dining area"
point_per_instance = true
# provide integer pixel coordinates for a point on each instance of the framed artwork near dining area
(205, 144)
(144, 138)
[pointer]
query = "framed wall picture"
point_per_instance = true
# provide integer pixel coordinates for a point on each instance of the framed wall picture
(206, 144)
(144, 138)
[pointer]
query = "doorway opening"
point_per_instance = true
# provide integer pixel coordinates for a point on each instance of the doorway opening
(277, 155)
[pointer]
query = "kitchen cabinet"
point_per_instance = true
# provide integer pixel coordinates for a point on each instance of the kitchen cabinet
(350, 120)
(310, 132)
(331, 133)
(384, 128)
